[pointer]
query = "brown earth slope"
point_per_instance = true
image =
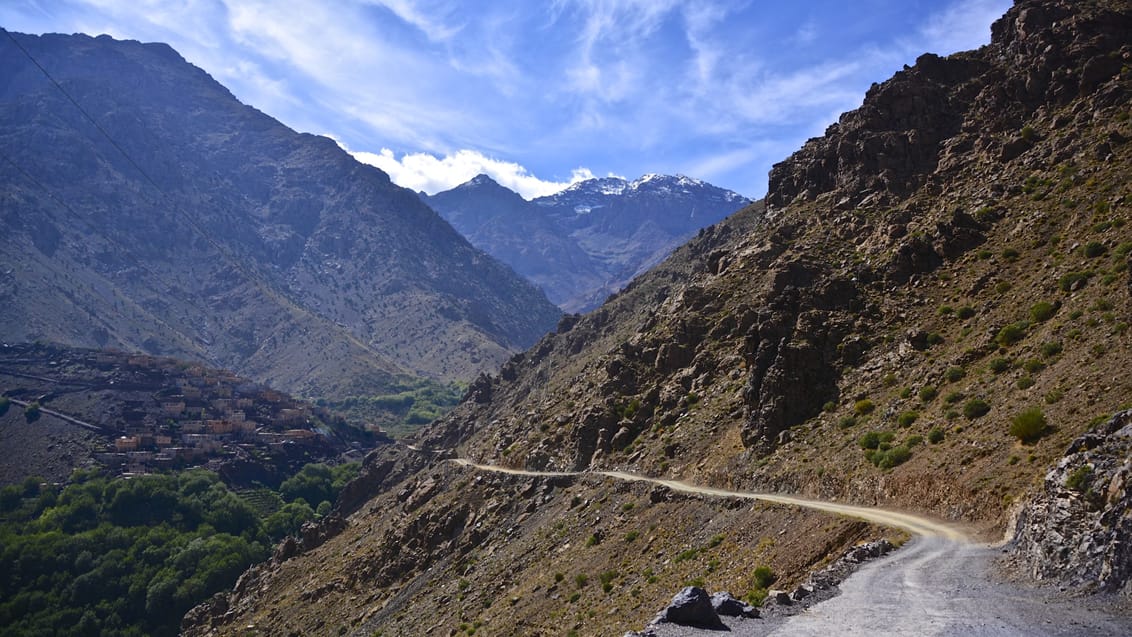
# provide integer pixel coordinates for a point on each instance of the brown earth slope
(950, 255)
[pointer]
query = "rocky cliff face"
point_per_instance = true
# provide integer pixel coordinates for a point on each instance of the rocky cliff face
(590, 240)
(915, 128)
(846, 346)
(199, 227)
(1078, 529)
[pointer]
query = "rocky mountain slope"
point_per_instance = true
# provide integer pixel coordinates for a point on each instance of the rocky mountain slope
(145, 208)
(934, 305)
(590, 240)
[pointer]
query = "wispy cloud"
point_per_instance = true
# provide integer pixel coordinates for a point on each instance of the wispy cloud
(726, 87)
(433, 174)
(962, 26)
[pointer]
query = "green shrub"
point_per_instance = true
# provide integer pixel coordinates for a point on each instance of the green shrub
(846, 422)
(975, 408)
(906, 392)
(1094, 249)
(1042, 311)
(632, 535)
(928, 393)
(954, 374)
(999, 365)
(593, 540)
(764, 577)
(581, 579)
(905, 419)
(870, 440)
(1025, 382)
(756, 596)
(1073, 280)
(1028, 425)
(1054, 395)
(935, 436)
(829, 406)
(889, 458)
(1080, 479)
(1051, 348)
(965, 312)
(946, 310)
(1033, 366)
(935, 338)
(863, 407)
(1011, 334)
(914, 440)
(1009, 254)
(953, 397)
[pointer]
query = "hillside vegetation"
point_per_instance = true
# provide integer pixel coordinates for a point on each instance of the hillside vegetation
(934, 304)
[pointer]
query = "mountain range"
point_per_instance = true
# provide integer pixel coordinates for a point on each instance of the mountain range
(147, 209)
(588, 241)
(929, 314)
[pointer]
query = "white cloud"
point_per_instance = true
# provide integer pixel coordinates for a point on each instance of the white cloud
(962, 26)
(422, 16)
(432, 174)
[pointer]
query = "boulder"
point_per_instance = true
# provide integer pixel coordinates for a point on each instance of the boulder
(691, 607)
(727, 606)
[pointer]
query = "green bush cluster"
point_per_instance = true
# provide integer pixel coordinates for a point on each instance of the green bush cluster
(1012, 333)
(975, 408)
(999, 365)
(1073, 280)
(1042, 311)
(121, 557)
(864, 407)
(128, 557)
(1028, 425)
(880, 451)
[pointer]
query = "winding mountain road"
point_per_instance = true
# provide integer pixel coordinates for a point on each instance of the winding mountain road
(914, 524)
(940, 584)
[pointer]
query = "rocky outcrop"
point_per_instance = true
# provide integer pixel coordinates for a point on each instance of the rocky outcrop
(726, 605)
(1078, 531)
(792, 351)
(905, 132)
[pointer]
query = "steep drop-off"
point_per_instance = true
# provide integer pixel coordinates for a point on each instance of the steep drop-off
(933, 306)
(145, 208)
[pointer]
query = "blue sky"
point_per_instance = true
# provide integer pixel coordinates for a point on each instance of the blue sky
(542, 93)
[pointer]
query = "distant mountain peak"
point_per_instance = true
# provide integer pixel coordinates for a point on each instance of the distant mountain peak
(590, 239)
(481, 180)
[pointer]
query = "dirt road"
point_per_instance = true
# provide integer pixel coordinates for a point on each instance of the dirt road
(916, 525)
(939, 584)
